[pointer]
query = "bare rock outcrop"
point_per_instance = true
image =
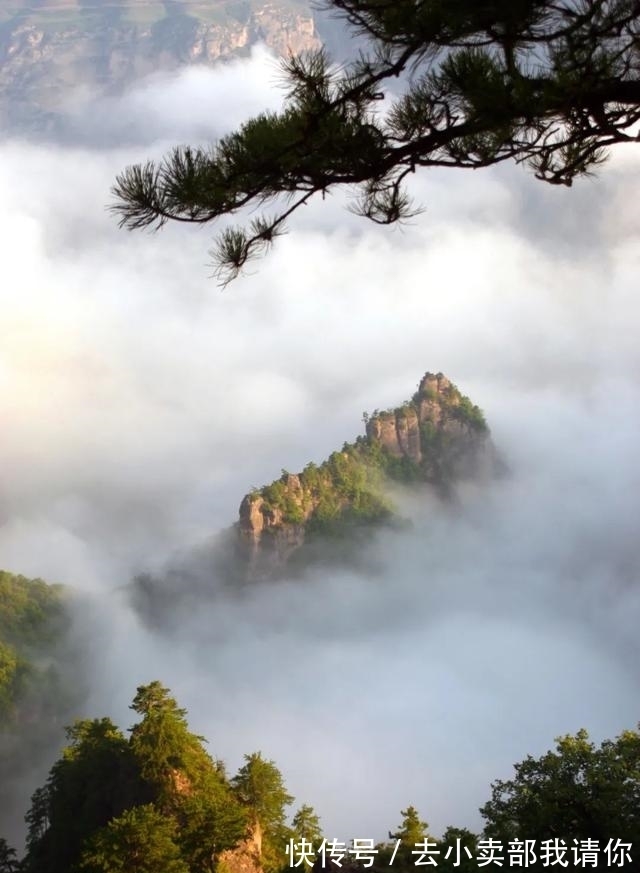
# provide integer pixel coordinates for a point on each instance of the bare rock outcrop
(45, 51)
(245, 857)
(437, 438)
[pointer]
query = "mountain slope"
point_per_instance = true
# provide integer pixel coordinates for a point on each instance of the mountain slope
(328, 512)
(436, 438)
(51, 47)
(37, 693)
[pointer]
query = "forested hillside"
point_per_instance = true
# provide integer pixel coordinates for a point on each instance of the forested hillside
(154, 800)
(40, 682)
(32, 620)
(158, 802)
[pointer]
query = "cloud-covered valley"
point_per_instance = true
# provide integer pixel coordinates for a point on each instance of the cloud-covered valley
(141, 402)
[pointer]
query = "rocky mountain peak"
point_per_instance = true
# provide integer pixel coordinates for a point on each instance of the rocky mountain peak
(436, 438)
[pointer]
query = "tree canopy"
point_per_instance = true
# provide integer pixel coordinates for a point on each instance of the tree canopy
(548, 83)
(32, 618)
(8, 858)
(154, 801)
(158, 802)
(96, 778)
(577, 792)
(412, 830)
(164, 745)
(141, 840)
(260, 788)
(305, 825)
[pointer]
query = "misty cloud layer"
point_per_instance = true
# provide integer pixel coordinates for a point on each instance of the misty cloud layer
(141, 403)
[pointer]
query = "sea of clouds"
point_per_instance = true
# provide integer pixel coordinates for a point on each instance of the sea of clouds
(141, 402)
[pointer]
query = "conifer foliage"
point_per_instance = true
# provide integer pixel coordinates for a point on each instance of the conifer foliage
(551, 84)
(8, 858)
(260, 788)
(157, 802)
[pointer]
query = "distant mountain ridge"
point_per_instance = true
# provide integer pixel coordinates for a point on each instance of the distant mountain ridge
(51, 47)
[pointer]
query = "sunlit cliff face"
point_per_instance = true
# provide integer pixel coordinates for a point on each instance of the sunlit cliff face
(53, 49)
(141, 403)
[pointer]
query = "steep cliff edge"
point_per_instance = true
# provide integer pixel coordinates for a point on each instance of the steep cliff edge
(438, 437)
(49, 48)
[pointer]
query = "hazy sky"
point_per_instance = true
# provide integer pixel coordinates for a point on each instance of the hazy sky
(141, 403)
